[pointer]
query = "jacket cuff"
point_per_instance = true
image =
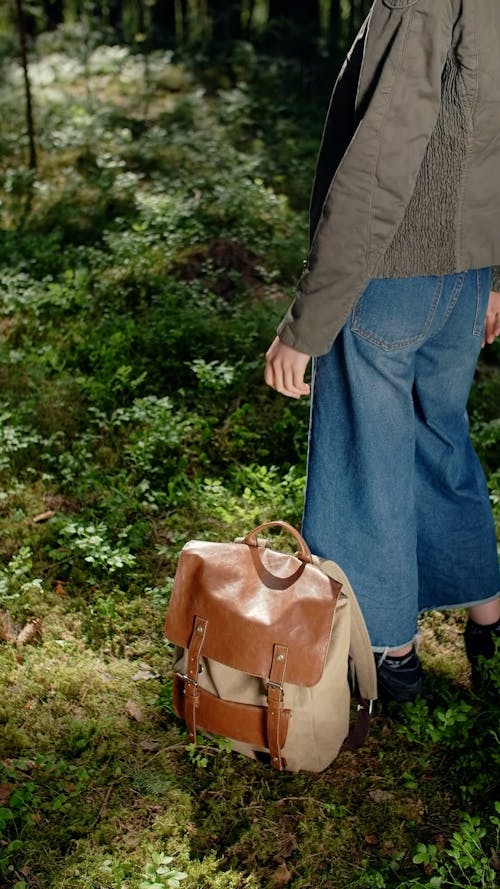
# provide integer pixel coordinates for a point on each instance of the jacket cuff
(290, 334)
(495, 278)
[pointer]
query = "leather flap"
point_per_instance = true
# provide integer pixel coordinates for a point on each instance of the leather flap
(254, 598)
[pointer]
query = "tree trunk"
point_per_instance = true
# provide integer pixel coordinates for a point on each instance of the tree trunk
(53, 11)
(182, 31)
(335, 14)
(226, 20)
(299, 25)
(279, 9)
(114, 15)
(352, 16)
(359, 11)
(298, 12)
(163, 19)
(27, 86)
(250, 14)
(335, 23)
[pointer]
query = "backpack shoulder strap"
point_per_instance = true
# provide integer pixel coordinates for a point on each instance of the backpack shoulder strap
(360, 646)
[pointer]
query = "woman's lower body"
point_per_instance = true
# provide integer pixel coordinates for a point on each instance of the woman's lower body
(395, 492)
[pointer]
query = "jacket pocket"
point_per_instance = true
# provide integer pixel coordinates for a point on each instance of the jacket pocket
(396, 313)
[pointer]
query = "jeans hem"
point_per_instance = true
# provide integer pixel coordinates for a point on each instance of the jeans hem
(460, 604)
(385, 649)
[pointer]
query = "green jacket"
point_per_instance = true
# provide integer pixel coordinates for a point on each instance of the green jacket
(407, 181)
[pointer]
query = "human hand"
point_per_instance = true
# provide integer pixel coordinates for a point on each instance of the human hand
(285, 369)
(492, 320)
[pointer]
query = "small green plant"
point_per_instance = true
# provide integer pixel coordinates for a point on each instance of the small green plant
(198, 754)
(92, 543)
(158, 874)
(214, 375)
(425, 855)
(116, 870)
(15, 578)
(453, 724)
(450, 726)
(14, 440)
(16, 816)
(463, 863)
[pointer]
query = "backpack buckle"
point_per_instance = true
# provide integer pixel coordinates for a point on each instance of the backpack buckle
(367, 706)
(188, 679)
(277, 685)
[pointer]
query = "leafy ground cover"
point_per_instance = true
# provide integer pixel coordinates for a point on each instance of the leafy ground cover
(142, 273)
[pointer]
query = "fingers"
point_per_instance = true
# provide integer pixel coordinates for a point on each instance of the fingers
(492, 320)
(293, 383)
(491, 327)
(285, 368)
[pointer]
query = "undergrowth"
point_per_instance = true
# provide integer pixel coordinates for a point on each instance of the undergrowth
(142, 274)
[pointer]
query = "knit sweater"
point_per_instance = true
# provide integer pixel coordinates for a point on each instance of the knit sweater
(425, 239)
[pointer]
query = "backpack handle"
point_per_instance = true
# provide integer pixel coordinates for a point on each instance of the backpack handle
(304, 552)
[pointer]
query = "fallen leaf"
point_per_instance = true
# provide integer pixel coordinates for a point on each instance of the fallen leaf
(9, 629)
(149, 746)
(144, 675)
(43, 516)
(23, 765)
(371, 840)
(5, 792)
(282, 876)
(30, 631)
(380, 796)
(134, 711)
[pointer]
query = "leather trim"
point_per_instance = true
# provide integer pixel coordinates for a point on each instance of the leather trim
(359, 731)
(246, 723)
(191, 690)
(275, 705)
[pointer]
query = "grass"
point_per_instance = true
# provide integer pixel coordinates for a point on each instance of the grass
(142, 275)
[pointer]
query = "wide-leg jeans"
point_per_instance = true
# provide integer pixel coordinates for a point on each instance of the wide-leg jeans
(395, 492)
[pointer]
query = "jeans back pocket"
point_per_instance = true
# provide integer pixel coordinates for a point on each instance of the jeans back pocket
(396, 313)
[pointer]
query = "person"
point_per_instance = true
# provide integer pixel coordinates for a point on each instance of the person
(400, 290)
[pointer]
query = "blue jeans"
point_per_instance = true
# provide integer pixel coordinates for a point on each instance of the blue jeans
(395, 492)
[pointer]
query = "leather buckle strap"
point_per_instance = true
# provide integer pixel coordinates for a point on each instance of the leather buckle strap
(361, 727)
(191, 678)
(246, 723)
(276, 685)
(275, 695)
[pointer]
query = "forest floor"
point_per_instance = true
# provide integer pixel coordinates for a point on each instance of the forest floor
(142, 273)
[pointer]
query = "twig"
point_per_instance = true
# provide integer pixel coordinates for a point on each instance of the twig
(105, 802)
(300, 799)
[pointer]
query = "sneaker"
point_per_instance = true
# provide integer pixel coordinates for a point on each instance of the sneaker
(400, 678)
(479, 644)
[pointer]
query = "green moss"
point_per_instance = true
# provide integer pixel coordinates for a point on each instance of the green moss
(138, 298)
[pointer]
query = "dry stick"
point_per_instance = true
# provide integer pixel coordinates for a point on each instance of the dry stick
(27, 86)
(104, 804)
(296, 799)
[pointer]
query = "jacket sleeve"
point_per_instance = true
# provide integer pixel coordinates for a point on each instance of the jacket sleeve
(398, 101)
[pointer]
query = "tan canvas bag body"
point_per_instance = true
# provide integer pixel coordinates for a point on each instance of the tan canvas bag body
(264, 641)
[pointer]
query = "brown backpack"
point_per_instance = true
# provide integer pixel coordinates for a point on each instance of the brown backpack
(264, 645)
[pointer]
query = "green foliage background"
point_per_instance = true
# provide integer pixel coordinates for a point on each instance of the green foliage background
(142, 273)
